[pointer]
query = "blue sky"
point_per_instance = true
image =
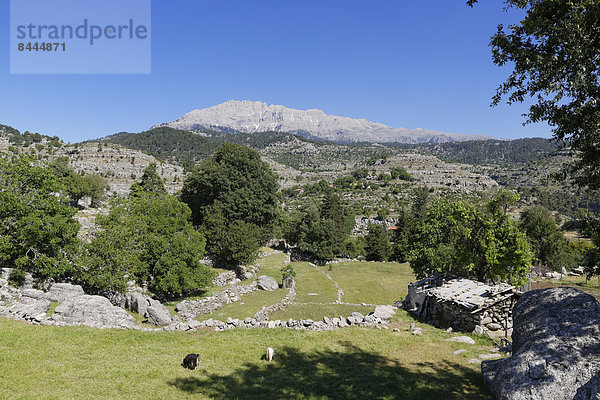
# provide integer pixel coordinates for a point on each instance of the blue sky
(413, 64)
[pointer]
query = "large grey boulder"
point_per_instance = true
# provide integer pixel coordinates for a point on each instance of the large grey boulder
(384, 312)
(33, 293)
(267, 283)
(92, 311)
(158, 315)
(60, 292)
(29, 309)
(138, 303)
(556, 348)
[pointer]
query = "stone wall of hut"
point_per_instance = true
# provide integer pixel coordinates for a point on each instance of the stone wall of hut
(447, 314)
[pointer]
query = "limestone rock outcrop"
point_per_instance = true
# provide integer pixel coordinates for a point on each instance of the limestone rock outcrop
(556, 348)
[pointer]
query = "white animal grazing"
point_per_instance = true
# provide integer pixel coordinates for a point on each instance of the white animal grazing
(270, 354)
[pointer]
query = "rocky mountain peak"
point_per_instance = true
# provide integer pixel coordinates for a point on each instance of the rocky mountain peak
(255, 116)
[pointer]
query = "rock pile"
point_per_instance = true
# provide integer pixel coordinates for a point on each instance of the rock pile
(91, 311)
(76, 308)
(556, 348)
(191, 309)
(327, 324)
(225, 278)
(232, 277)
(263, 313)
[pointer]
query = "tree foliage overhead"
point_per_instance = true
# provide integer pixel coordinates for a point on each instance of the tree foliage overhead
(555, 53)
(148, 239)
(231, 189)
(37, 232)
(459, 239)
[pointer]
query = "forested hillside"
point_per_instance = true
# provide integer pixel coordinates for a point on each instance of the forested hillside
(491, 152)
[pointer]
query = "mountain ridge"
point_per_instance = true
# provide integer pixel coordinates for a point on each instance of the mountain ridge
(255, 116)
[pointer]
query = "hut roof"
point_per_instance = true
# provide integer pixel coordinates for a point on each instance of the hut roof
(470, 294)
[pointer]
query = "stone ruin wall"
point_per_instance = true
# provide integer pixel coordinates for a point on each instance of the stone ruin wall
(452, 315)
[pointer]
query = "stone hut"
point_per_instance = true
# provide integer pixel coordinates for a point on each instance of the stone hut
(462, 304)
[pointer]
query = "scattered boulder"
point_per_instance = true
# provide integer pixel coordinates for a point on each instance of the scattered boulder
(158, 314)
(479, 330)
(461, 339)
(384, 312)
(267, 283)
(33, 293)
(92, 311)
(415, 330)
(556, 348)
(29, 309)
(60, 292)
(138, 303)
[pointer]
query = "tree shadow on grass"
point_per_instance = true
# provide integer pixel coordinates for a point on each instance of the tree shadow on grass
(349, 374)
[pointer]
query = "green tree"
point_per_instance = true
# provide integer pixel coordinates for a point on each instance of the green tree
(38, 233)
(401, 173)
(377, 243)
(150, 182)
(460, 239)
(321, 230)
(401, 236)
(549, 245)
(232, 243)
(237, 185)
(341, 218)
(503, 200)
(420, 200)
(554, 52)
(311, 233)
(97, 187)
(150, 240)
(77, 186)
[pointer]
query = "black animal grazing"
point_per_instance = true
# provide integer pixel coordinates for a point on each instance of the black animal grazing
(191, 361)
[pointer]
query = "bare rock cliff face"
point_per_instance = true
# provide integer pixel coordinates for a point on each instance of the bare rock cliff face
(256, 116)
(556, 349)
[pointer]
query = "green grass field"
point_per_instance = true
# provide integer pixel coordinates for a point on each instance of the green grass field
(358, 363)
(354, 363)
(371, 282)
(578, 282)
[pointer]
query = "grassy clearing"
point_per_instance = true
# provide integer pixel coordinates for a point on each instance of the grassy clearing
(247, 306)
(50, 311)
(578, 282)
(372, 282)
(271, 266)
(312, 286)
(316, 312)
(352, 363)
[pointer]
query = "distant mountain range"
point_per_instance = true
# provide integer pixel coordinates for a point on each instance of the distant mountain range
(255, 116)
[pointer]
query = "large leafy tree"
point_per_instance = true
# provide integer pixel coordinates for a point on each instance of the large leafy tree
(37, 231)
(549, 245)
(238, 186)
(555, 53)
(321, 230)
(457, 238)
(148, 239)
